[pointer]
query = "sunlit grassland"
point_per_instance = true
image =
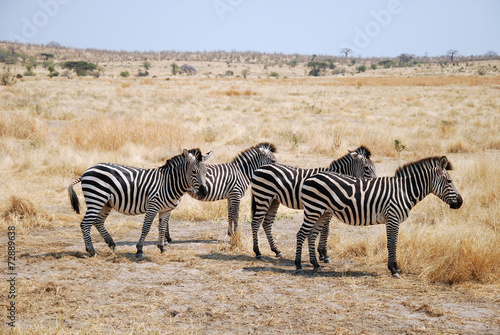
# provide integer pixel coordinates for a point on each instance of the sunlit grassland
(51, 130)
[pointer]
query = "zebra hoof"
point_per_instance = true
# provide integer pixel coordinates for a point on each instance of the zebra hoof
(317, 270)
(299, 272)
(112, 247)
(327, 260)
(161, 247)
(139, 255)
(279, 255)
(259, 256)
(396, 275)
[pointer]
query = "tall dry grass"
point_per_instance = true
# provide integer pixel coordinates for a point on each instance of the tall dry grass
(62, 126)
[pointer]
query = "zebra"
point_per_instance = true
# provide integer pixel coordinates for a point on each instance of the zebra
(362, 202)
(134, 191)
(277, 184)
(230, 180)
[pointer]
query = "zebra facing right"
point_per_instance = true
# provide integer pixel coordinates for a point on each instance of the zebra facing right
(362, 202)
(277, 184)
(134, 191)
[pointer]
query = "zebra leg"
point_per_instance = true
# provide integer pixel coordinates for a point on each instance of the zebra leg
(318, 226)
(164, 220)
(99, 224)
(257, 216)
(148, 220)
(392, 228)
(233, 206)
(268, 224)
(305, 229)
(323, 240)
(162, 227)
(86, 224)
(311, 240)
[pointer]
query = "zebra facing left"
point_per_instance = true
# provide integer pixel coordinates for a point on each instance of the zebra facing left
(231, 180)
(134, 191)
(362, 202)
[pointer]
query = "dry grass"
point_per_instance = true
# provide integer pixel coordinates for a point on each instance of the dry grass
(51, 130)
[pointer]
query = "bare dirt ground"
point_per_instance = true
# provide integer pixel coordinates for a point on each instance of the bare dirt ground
(201, 285)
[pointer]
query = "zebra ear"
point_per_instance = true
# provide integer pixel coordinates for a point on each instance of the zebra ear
(443, 162)
(264, 151)
(207, 155)
(355, 155)
(188, 155)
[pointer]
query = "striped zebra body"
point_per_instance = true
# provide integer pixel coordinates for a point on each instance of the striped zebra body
(277, 184)
(362, 202)
(230, 180)
(133, 191)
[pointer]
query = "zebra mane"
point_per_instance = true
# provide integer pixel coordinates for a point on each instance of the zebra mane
(364, 151)
(409, 168)
(248, 152)
(180, 159)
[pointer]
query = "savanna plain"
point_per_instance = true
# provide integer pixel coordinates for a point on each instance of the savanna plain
(53, 129)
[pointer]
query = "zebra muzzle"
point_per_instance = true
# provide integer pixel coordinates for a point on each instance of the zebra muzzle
(457, 204)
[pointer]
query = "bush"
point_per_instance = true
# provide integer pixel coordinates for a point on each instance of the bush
(124, 74)
(229, 73)
(373, 66)
(361, 68)
(147, 65)
(7, 78)
(175, 68)
(143, 74)
(80, 67)
(274, 75)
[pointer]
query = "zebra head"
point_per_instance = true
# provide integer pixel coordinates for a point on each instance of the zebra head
(267, 151)
(362, 167)
(197, 170)
(442, 185)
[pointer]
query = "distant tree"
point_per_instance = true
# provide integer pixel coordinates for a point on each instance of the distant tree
(491, 54)
(245, 72)
(80, 67)
(451, 53)
(314, 56)
(361, 68)
(175, 68)
(405, 58)
(47, 56)
(316, 68)
(147, 65)
(346, 51)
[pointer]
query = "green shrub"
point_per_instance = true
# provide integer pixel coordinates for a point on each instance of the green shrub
(124, 74)
(80, 67)
(361, 68)
(373, 66)
(147, 65)
(274, 75)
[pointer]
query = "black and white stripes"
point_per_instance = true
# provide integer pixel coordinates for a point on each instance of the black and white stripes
(133, 191)
(361, 202)
(230, 181)
(277, 184)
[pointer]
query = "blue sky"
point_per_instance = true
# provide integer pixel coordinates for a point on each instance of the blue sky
(369, 28)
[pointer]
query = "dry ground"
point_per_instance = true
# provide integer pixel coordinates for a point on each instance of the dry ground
(51, 130)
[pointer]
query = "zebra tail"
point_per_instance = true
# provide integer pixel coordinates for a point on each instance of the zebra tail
(73, 197)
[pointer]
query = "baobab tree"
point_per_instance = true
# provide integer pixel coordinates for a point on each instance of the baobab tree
(452, 53)
(346, 51)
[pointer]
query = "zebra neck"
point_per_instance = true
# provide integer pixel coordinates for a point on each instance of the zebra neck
(246, 167)
(175, 180)
(417, 187)
(341, 165)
